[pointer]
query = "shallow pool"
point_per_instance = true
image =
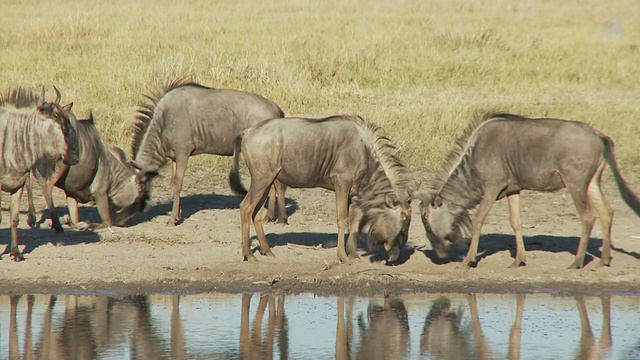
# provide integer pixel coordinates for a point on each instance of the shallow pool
(275, 326)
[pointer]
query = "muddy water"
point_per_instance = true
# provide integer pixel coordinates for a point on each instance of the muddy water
(275, 326)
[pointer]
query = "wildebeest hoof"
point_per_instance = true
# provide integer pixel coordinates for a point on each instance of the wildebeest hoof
(172, 222)
(249, 258)
(575, 265)
(267, 253)
(31, 220)
(465, 264)
(17, 256)
(282, 222)
(517, 263)
(603, 264)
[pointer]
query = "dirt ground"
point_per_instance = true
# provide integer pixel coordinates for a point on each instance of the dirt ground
(202, 254)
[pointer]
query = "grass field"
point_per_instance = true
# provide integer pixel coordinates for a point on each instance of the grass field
(418, 68)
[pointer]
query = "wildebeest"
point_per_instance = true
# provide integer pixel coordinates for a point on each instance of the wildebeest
(186, 119)
(341, 153)
(102, 175)
(501, 154)
(35, 142)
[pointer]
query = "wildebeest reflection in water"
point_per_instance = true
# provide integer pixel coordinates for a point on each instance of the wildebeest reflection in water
(93, 325)
(255, 345)
(443, 337)
(384, 334)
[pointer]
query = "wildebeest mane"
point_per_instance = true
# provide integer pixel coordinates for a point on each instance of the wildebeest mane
(455, 163)
(384, 151)
(146, 110)
(19, 98)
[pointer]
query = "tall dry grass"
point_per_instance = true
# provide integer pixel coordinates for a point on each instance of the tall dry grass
(418, 68)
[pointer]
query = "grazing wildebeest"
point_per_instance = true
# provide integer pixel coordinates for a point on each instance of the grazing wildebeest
(187, 119)
(501, 154)
(341, 153)
(102, 175)
(39, 143)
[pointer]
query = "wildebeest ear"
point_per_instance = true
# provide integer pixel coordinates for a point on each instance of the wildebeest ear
(61, 117)
(436, 201)
(68, 107)
(144, 173)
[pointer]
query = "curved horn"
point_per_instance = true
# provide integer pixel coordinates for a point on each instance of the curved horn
(57, 101)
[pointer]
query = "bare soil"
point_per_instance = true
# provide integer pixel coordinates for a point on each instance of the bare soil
(202, 253)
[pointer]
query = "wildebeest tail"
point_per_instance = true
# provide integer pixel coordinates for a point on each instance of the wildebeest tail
(627, 194)
(234, 173)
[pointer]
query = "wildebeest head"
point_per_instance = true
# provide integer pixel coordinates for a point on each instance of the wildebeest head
(446, 225)
(144, 175)
(130, 197)
(388, 225)
(61, 115)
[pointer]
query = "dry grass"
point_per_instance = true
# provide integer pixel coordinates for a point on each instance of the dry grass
(418, 68)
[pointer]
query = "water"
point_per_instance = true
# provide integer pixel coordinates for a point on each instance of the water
(274, 326)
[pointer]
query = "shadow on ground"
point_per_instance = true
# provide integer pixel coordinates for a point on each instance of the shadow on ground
(493, 243)
(191, 204)
(330, 240)
(33, 238)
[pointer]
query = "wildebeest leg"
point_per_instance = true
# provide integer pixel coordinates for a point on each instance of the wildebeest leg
(262, 238)
(14, 252)
(47, 190)
(179, 169)
(271, 205)
(277, 190)
(74, 212)
(596, 197)
(248, 211)
(352, 246)
(342, 210)
(587, 218)
(478, 220)
(282, 207)
(516, 224)
(102, 203)
(31, 214)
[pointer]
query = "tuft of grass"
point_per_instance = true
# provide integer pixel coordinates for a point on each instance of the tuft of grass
(420, 69)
